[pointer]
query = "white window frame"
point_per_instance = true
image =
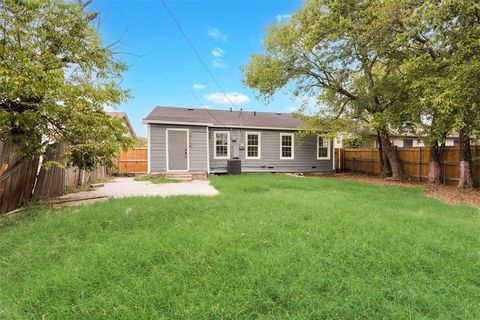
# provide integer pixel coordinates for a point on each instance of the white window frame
(328, 147)
(259, 135)
(283, 134)
(215, 145)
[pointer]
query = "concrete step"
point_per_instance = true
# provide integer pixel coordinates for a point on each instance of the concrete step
(179, 176)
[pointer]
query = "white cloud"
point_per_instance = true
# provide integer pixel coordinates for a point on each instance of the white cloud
(217, 34)
(282, 17)
(205, 106)
(198, 86)
(218, 63)
(217, 52)
(292, 109)
(220, 98)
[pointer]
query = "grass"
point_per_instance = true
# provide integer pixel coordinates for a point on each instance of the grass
(270, 247)
(155, 179)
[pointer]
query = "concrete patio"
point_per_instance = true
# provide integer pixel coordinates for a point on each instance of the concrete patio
(127, 187)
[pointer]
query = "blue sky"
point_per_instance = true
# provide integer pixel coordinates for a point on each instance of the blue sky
(163, 69)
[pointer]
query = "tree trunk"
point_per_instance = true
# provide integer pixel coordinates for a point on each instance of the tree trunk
(466, 180)
(436, 153)
(392, 156)
(386, 169)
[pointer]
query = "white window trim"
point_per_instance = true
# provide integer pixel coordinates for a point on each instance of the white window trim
(259, 144)
(215, 145)
(328, 148)
(293, 146)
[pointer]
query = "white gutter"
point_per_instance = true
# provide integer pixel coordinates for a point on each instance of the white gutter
(212, 125)
(178, 123)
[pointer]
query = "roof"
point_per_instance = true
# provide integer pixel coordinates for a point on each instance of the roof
(124, 117)
(223, 118)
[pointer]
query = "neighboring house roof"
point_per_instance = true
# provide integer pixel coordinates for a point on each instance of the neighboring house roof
(223, 118)
(123, 116)
(410, 135)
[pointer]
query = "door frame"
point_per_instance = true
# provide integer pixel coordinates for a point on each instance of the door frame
(167, 149)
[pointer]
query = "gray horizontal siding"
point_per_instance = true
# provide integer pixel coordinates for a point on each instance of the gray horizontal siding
(197, 148)
(305, 153)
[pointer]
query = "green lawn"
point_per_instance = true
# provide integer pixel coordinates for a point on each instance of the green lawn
(270, 247)
(155, 179)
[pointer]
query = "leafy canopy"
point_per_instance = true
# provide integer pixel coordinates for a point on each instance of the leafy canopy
(56, 78)
(338, 51)
(442, 40)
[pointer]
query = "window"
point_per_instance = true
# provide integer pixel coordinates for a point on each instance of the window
(222, 145)
(408, 143)
(286, 146)
(323, 148)
(253, 145)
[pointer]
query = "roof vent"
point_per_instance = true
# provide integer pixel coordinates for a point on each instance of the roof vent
(279, 114)
(254, 113)
(190, 109)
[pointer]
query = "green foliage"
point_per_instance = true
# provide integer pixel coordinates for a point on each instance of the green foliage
(268, 247)
(56, 79)
(442, 41)
(338, 51)
(400, 64)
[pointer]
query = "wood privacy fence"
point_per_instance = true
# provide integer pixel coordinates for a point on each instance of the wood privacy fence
(133, 161)
(18, 185)
(23, 179)
(415, 163)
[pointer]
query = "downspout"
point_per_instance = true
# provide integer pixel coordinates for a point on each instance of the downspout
(208, 151)
(333, 148)
(148, 149)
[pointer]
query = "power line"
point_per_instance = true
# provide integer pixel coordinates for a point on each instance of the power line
(196, 52)
(206, 109)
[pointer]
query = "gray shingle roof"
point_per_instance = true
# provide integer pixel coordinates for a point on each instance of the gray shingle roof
(246, 119)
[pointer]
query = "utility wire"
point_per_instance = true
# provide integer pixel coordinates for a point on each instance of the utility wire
(208, 111)
(196, 53)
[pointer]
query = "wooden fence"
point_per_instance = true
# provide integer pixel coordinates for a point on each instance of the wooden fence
(133, 161)
(17, 187)
(23, 179)
(415, 163)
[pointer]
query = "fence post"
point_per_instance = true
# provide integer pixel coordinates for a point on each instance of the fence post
(371, 161)
(474, 163)
(420, 164)
(444, 171)
(353, 164)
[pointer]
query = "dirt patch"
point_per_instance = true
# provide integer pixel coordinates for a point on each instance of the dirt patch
(448, 194)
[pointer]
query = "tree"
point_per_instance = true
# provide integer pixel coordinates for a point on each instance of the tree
(56, 78)
(441, 39)
(341, 52)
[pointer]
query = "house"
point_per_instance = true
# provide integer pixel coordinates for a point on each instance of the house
(412, 140)
(202, 141)
(125, 122)
(403, 140)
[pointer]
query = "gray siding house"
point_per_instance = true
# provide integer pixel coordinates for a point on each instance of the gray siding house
(202, 141)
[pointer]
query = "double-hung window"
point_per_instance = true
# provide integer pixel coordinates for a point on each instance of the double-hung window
(222, 145)
(323, 147)
(253, 145)
(287, 146)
